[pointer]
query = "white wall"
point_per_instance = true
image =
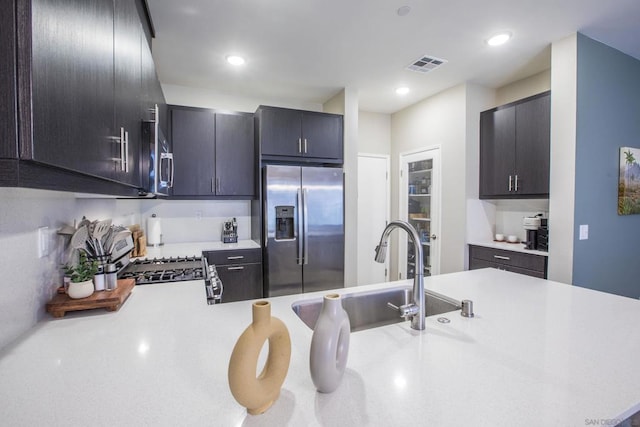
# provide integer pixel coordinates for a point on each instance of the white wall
(27, 282)
(346, 102)
(374, 133)
(537, 83)
(563, 159)
(480, 214)
(436, 121)
(204, 98)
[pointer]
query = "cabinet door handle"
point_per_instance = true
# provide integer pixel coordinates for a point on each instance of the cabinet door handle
(510, 184)
(516, 183)
(305, 146)
(299, 145)
(235, 268)
(213, 185)
(217, 185)
(506, 258)
(235, 257)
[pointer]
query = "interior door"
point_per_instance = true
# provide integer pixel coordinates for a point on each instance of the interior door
(323, 228)
(373, 216)
(420, 206)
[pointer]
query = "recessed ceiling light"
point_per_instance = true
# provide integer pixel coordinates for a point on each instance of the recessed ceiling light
(498, 39)
(235, 60)
(404, 11)
(402, 90)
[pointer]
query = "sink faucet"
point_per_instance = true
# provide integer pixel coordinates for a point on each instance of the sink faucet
(416, 309)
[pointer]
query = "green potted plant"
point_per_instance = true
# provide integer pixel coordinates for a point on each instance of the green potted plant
(81, 275)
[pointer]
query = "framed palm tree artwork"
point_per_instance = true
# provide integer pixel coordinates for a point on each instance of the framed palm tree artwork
(629, 181)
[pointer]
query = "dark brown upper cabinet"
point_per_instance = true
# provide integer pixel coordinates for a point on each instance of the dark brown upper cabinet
(514, 149)
(80, 91)
(299, 136)
(214, 154)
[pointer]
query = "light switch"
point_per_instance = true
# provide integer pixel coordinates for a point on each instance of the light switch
(584, 232)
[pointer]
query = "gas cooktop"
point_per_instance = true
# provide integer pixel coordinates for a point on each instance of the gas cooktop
(161, 270)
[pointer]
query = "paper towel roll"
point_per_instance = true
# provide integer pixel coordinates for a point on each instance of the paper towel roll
(154, 231)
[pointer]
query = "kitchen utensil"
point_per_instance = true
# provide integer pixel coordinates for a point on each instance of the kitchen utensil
(84, 222)
(499, 237)
(66, 230)
(78, 241)
(512, 239)
(117, 237)
(101, 228)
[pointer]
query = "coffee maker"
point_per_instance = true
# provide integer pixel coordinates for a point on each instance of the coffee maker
(532, 225)
(230, 231)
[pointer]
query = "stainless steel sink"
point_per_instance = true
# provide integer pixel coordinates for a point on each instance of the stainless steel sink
(369, 309)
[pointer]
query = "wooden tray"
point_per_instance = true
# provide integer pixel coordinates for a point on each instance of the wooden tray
(111, 301)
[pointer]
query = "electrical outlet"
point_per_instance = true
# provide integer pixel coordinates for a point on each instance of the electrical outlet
(198, 215)
(584, 232)
(43, 242)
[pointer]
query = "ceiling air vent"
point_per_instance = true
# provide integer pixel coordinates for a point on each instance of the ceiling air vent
(426, 63)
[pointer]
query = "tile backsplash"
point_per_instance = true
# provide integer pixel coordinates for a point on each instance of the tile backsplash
(509, 215)
(197, 221)
(28, 282)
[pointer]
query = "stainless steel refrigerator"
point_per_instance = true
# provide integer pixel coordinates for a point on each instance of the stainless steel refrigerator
(303, 229)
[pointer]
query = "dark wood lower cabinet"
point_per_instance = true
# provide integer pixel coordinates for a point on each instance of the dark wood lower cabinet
(516, 262)
(240, 272)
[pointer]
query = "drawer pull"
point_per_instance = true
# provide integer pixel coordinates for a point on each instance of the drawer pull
(506, 258)
(235, 268)
(235, 257)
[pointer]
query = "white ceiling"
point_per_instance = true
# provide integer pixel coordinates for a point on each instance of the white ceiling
(308, 50)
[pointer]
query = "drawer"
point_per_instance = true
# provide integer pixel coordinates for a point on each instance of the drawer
(234, 256)
(240, 282)
(476, 263)
(509, 258)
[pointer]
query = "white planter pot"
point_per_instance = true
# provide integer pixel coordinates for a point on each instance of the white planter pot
(80, 289)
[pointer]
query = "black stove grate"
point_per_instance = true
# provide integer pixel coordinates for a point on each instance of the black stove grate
(162, 270)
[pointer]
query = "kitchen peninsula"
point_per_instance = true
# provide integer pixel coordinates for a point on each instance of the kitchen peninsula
(536, 353)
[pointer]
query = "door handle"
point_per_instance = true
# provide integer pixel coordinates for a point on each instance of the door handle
(506, 258)
(516, 183)
(299, 145)
(235, 257)
(122, 143)
(235, 268)
(305, 146)
(433, 237)
(305, 225)
(126, 152)
(299, 231)
(510, 184)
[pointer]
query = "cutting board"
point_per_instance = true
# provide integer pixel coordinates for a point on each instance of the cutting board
(111, 301)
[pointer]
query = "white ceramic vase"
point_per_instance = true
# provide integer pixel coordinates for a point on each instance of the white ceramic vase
(330, 345)
(80, 289)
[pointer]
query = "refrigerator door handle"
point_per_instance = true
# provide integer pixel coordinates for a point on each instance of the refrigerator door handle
(300, 202)
(305, 225)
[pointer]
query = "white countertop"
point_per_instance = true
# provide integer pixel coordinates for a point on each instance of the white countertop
(537, 353)
(515, 247)
(195, 248)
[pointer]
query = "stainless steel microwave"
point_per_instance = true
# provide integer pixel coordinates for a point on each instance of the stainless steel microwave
(157, 152)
